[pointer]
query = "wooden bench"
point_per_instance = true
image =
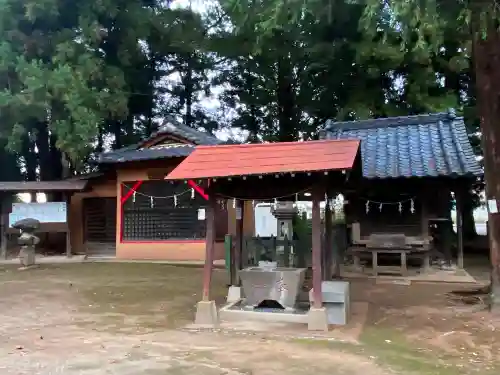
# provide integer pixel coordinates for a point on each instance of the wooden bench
(394, 244)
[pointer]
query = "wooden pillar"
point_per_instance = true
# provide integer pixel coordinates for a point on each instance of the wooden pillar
(424, 215)
(328, 248)
(4, 224)
(238, 243)
(68, 226)
(460, 228)
(244, 252)
(317, 196)
(209, 247)
(446, 230)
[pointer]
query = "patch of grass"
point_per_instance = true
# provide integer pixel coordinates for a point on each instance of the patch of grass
(122, 296)
(389, 348)
(149, 296)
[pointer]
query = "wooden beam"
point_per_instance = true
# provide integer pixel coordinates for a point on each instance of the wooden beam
(209, 247)
(317, 196)
(268, 187)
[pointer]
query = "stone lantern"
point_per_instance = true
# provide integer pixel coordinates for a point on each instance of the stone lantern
(284, 212)
(27, 240)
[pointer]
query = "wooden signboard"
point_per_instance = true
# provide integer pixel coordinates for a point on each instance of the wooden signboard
(49, 212)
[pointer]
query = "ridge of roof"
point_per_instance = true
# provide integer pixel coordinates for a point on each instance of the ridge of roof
(266, 144)
(171, 126)
(385, 122)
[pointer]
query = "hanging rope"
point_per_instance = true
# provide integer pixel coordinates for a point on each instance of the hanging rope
(399, 203)
(389, 203)
(157, 197)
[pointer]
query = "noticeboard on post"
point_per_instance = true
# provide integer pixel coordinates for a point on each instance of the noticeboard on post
(49, 212)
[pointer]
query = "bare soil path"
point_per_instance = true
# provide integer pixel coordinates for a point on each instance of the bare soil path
(95, 319)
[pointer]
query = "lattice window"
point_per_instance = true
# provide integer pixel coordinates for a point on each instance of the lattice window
(153, 214)
(100, 219)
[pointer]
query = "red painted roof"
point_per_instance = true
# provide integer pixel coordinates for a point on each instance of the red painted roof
(266, 158)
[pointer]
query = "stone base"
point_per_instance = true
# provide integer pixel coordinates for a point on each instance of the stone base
(233, 294)
(206, 314)
(317, 319)
(27, 256)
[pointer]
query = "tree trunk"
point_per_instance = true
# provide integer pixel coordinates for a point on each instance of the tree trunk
(43, 146)
(286, 101)
(66, 166)
(253, 125)
(152, 68)
(56, 165)
(117, 131)
(28, 151)
(188, 92)
(487, 60)
(129, 138)
(44, 155)
(100, 140)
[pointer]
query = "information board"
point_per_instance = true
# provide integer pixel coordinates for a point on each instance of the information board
(49, 212)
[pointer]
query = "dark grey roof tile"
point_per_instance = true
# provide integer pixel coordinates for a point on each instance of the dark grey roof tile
(146, 154)
(173, 127)
(412, 146)
(169, 127)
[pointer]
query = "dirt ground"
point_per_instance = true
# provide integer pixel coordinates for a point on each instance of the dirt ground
(104, 318)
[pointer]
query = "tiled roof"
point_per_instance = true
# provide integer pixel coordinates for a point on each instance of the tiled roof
(173, 127)
(127, 155)
(266, 158)
(169, 127)
(412, 146)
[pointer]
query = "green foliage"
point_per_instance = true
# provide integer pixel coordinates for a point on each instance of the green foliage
(340, 60)
(74, 75)
(50, 72)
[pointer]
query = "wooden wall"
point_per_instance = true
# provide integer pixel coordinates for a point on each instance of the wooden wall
(100, 189)
(186, 250)
(430, 200)
(385, 219)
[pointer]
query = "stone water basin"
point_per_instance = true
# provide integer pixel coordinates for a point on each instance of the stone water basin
(280, 284)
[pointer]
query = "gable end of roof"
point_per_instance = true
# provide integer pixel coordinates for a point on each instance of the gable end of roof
(147, 150)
